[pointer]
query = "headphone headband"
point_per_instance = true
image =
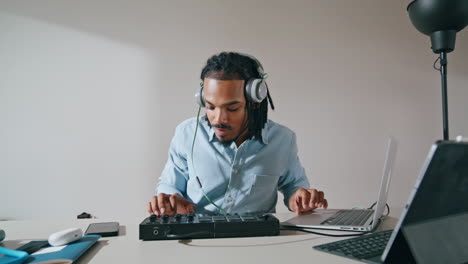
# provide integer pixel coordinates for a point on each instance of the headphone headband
(259, 64)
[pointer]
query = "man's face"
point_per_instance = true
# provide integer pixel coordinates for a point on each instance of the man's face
(225, 108)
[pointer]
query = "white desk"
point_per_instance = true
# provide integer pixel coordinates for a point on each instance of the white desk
(290, 246)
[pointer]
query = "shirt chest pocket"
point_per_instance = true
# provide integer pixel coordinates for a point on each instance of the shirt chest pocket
(264, 184)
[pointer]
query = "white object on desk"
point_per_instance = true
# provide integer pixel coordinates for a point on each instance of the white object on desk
(65, 236)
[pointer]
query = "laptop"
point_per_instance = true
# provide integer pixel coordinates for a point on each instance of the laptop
(359, 220)
(433, 226)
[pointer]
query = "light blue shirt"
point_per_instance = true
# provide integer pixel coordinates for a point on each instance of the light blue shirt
(242, 179)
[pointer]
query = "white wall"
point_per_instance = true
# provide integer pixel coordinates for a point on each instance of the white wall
(91, 91)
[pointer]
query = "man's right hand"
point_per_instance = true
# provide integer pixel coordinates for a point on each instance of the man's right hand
(170, 204)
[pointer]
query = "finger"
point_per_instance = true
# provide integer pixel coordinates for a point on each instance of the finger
(167, 205)
(150, 211)
(321, 198)
(295, 201)
(154, 205)
(306, 198)
(325, 203)
(161, 204)
(190, 208)
(173, 203)
(318, 199)
(298, 204)
(187, 206)
(313, 198)
(292, 203)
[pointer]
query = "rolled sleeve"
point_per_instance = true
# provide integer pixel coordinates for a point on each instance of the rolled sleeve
(295, 177)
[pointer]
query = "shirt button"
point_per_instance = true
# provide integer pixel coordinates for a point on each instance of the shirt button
(229, 199)
(235, 171)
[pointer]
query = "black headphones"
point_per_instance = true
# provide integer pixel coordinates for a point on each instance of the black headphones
(255, 89)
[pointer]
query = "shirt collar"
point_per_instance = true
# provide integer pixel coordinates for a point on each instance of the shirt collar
(211, 136)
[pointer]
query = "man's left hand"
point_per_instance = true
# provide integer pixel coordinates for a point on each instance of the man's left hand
(306, 200)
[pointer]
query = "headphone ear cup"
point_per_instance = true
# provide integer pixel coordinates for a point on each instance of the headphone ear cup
(199, 97)
(256, 90)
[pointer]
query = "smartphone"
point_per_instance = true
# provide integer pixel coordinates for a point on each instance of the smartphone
(105, 229)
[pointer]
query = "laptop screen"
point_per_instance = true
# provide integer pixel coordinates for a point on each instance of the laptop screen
(385, 183)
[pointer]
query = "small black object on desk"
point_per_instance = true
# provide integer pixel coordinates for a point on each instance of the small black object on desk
(84, 215)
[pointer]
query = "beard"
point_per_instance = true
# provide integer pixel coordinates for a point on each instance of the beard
(225, 142)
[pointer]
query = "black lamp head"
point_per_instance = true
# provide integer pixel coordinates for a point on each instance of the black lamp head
(440, 19)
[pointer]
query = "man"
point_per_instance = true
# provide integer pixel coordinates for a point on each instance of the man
(233, 160)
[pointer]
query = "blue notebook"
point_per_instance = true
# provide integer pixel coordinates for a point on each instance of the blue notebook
(65, 254)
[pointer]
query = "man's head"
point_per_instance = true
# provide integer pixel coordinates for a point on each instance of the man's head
(229, 112)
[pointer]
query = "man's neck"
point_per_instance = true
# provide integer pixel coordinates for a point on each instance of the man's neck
(241, 138)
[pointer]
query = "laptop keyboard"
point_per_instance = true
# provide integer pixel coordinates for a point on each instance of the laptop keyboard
(364, 247)
(348, 218)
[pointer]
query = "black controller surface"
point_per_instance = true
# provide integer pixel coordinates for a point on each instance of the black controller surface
(193, 226)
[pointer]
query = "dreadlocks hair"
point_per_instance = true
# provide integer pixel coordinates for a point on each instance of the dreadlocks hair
(235, 66)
